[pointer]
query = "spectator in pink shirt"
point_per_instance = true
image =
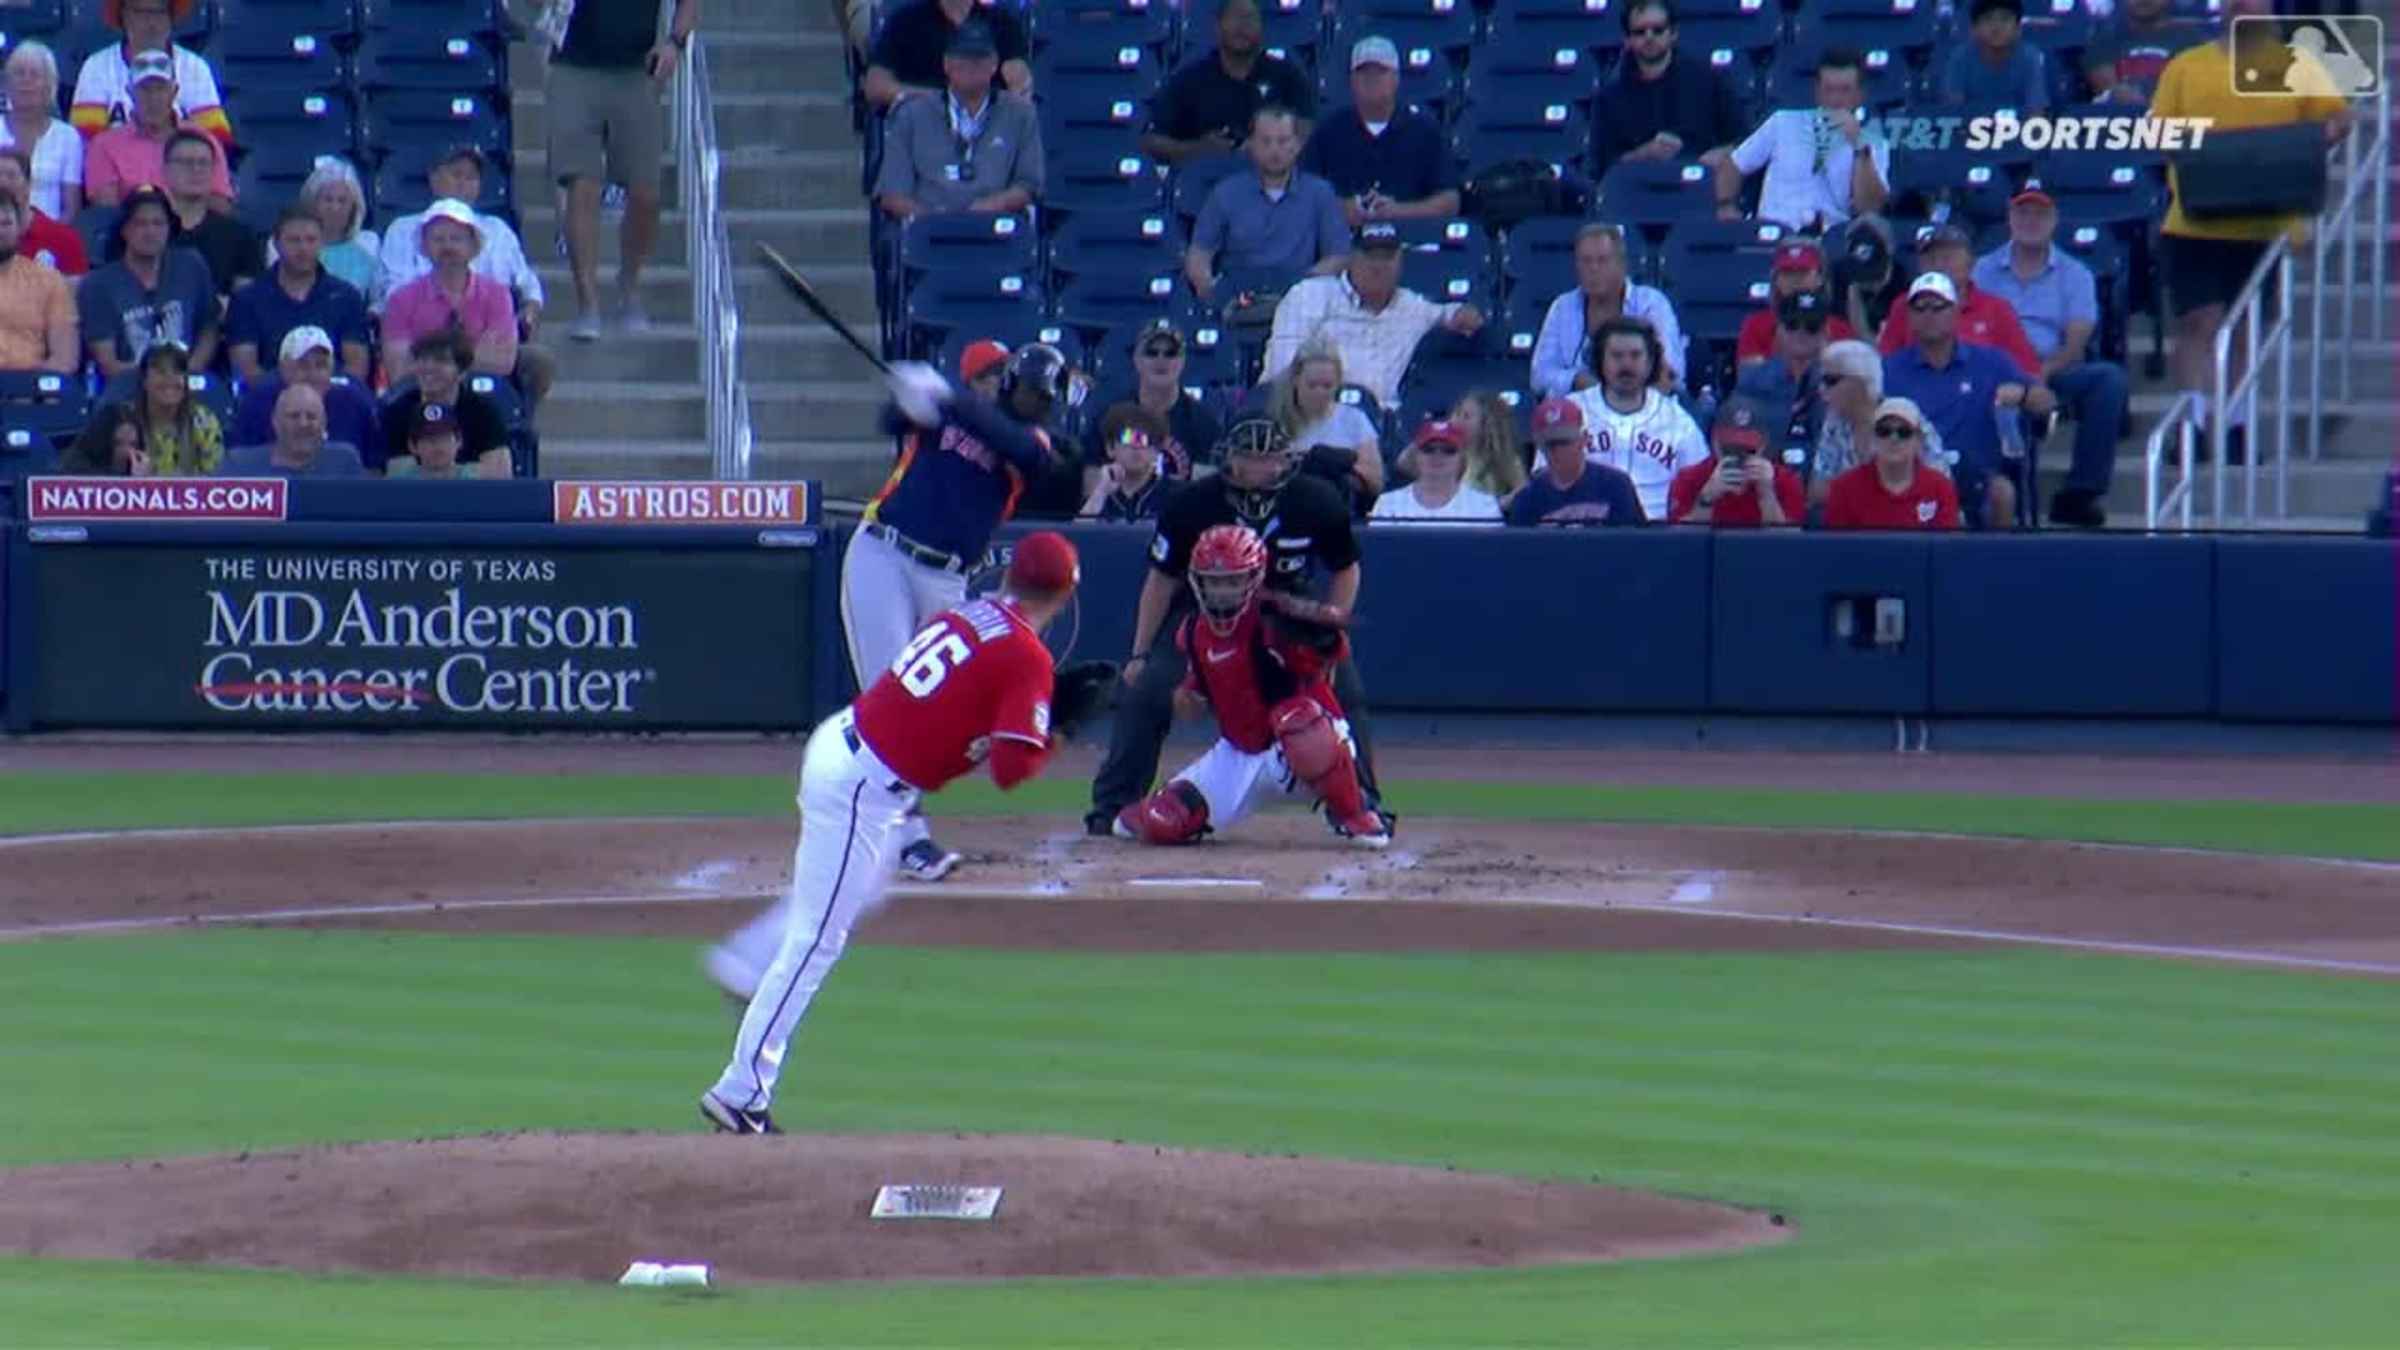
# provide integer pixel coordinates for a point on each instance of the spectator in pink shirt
(454, 295)
(123, 158)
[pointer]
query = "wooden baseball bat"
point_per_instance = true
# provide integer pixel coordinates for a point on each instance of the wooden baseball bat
(807, 294)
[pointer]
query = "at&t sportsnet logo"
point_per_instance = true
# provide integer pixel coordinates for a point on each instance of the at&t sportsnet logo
(2002, 131)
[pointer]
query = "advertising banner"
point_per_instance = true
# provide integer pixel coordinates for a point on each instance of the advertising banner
(422, 636)
(583, 502)
(99, 499)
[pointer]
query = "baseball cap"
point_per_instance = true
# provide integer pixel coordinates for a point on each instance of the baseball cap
(464, 150)
(1792, 309)
(2033, 191)
(1557, 419)
(1979, 8)
(1945, 236)
(1933, 283)
(455, 211)
(1044, 561)
(432, 419)
(1159, 328)
(981, 358)
(302, 340)
(1900, 407)
(150, 65)
(1377, 234)
(1374, 51)
(1741, 423)
(972, 38)
(1443, 431)
(1799, 255)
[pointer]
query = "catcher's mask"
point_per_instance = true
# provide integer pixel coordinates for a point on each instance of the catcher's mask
(1228, 563)
(1039, 371)
(1258, 462)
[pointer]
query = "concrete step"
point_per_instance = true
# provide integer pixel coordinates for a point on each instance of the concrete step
(581, 409)
(806, 236)
(2325, 490)
(764, 63)
(779, 351)
(667, 292)
(788, 119)
(754, 178)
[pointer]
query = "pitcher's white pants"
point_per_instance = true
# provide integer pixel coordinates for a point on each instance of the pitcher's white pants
(886, 597)
(850, 807)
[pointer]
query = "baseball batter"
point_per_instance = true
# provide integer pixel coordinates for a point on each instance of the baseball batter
(964, 464)
(1262, 664)
(975, 684)
(1635, 428)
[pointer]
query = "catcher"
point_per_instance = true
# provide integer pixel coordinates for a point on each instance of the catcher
(1262, 661)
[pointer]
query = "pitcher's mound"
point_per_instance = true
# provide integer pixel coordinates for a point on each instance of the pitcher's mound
(795, 1207)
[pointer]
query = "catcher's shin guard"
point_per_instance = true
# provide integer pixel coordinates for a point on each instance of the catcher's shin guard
(1314, 749)
(1175, 814)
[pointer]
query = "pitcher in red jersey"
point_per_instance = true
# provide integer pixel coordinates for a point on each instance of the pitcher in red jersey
(1262, 662)
(973, 685)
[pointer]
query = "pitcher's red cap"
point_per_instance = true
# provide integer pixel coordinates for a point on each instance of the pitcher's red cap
(1044, 561)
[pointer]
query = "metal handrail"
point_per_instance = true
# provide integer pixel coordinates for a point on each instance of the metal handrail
(2372, 158)
(2185, 420)
(716, 304)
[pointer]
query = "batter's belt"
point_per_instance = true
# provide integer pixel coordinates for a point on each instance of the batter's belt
(916, 552)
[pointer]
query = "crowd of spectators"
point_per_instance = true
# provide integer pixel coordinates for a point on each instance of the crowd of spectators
(1982, 333)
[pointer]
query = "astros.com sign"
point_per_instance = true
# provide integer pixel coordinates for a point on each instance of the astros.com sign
(298, 651)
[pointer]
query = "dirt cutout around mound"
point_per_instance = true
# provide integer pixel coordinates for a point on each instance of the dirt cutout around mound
(796, 1208)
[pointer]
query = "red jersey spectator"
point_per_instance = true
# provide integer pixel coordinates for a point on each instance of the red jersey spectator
(1894, 490)
(1798, 266)
(44, 240)
(1740, 484)
(1984, 319)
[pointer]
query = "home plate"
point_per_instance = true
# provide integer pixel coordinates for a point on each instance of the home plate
(1198, 883)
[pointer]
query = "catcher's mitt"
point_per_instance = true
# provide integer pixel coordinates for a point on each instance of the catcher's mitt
(1078, 692)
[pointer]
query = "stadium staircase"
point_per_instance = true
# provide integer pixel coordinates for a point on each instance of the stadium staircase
(630, 407)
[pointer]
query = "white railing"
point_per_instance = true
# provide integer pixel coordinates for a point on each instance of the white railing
(2266, 341)
(2185, 421)
(716, 304)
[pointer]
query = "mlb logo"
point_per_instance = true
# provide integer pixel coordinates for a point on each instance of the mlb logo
(1925, 513)
(2311, 55)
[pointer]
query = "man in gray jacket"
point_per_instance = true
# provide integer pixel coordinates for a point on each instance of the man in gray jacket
(973, 149)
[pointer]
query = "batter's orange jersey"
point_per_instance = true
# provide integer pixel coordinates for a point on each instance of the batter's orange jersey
(973, 675)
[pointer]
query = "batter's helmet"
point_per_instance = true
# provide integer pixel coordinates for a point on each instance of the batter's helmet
(1258, 438)
(1228, 563)
(1037, 366)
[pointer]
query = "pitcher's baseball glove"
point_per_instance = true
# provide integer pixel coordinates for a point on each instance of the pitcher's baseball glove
(1078, 692)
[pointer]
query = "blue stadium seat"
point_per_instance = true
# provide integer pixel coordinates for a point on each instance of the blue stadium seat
(38, 409)
(1562, 71)
(36, 18)
(1725, 38)
(1126, 69)
(405, 58)
(1537, 257)
(2120, 188)
(2099, 249)
(1104, 181)
(1558, 133)
(1087, 119)
(264, 21)
(258, 59)
(267, 181)
(1740, 251)
(1423, 30)
(1909, 26)
(1115, 241)
(1100, 301)
(1294, 28)
(942, 303)
(1097, 24)
(1792, 83)
(1211, 357)
(1657, 192)
(323, 122)
(970, 241)
(1450, 276)
(1971, 183)
(401, 187)
(401, 118)
(1012, 333)
(1436, 380)
(437, 18)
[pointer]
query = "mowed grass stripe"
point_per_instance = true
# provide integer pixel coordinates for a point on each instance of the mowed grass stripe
(41, 802)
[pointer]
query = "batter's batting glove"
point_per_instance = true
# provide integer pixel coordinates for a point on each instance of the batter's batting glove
(919, 391)
(1078, 693)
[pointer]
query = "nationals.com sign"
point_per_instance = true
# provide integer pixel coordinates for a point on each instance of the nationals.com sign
(97, 499)
(427, 636)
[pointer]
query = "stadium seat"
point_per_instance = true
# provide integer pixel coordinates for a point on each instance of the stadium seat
(267, 181)
(1450, 276)
(1657, 192)
(405, 58)
(1436, 380)
(1102, 182)
(1115, 241)
(1119, 70)
(1556, 133)
(269, 119)
(1098, 302)
(2118, 188)
(1912, 27)
(1720, 269)
(947, 301)
(1559, 72)
(1970, 183)
(1091, 25)
(439, 18)
(1211, 359)
(402, 118)
(1537, 257)
(262, 21)
(1294, 29)
(255, 59)
(1423, 30)
(1011, 331)
(34, 18)
(1792, 82)
(1090, 121)
(401, 187)
(2097, 248)
(969, 242)
(38, 409)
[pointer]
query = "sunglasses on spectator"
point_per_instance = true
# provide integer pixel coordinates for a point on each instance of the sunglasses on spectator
(1895, 430)
(1650, 30)
(1927, 306)
(1437, 448)
(1814, 323)
(1163, 351)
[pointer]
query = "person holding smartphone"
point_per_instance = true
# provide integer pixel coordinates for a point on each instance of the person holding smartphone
(1739, 483)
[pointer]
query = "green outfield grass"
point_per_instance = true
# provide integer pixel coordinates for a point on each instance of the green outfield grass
(2004, 1150)
(44, 802)
(2017, 1149)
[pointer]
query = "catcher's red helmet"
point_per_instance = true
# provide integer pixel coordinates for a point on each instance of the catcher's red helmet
(1228, 563)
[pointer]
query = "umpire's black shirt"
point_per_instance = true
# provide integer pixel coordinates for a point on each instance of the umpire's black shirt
(1309, 523)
